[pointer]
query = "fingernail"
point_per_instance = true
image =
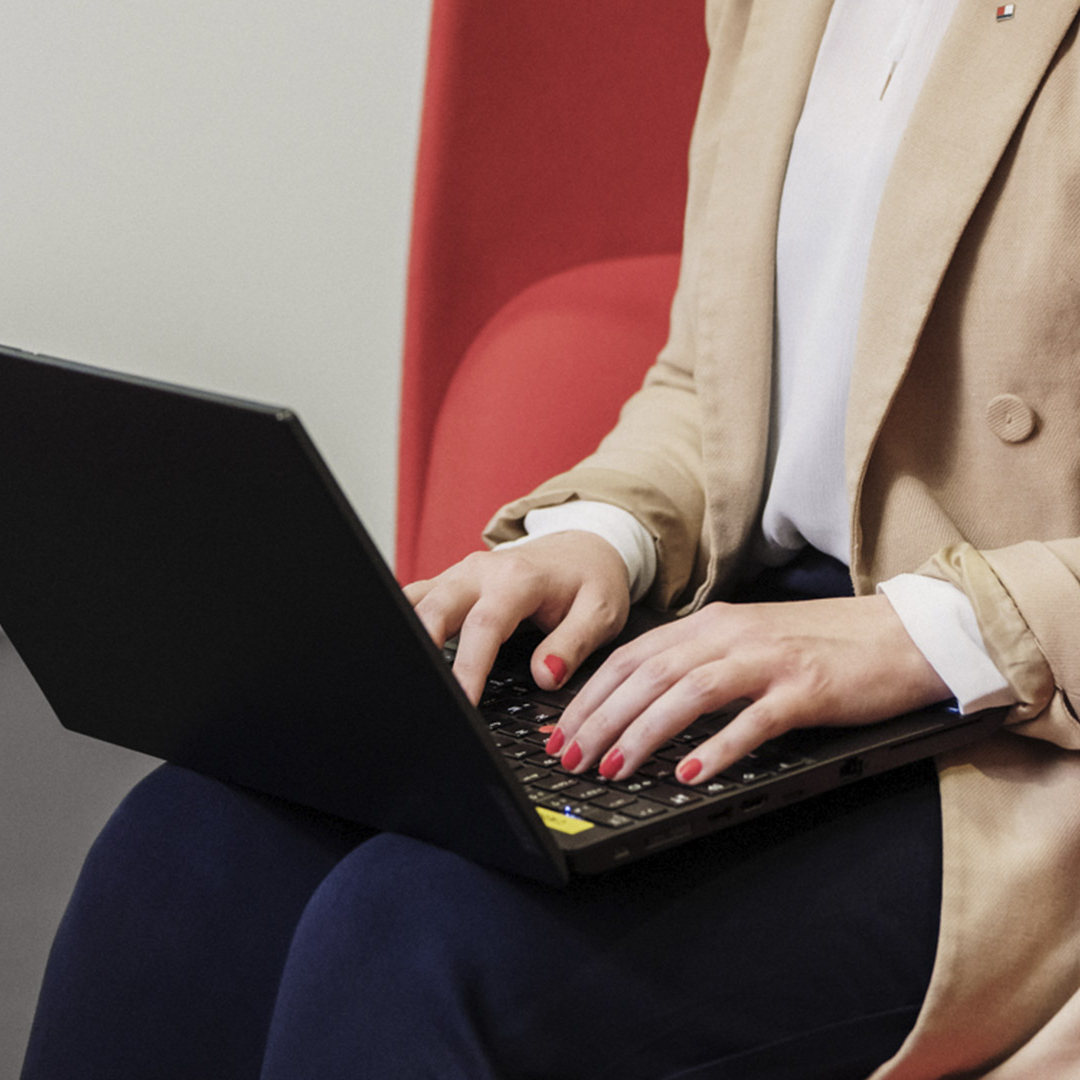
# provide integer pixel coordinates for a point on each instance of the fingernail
(612, 763)
(688, 770)
(557, 668)
(554, 744)
(572, 758)
(546, 729)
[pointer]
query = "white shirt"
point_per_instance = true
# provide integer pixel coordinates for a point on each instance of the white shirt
(870, 67)
(873, 59)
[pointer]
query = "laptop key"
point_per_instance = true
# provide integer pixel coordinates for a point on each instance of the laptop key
(529, 774)
(634, 784)
(747, 772)
(543, 761)
(555, 782)
(639, 809)
(613, 819)
(585, 791)
(614, 800)
(515, 731)
(657, 770)
(672, 752)
(545, 716)
(717, 787)
(793, 761)
(558, 699)
(672, 796)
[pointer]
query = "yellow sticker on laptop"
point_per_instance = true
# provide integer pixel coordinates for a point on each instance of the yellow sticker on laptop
(563, 823)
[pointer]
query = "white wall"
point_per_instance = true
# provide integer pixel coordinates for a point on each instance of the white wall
(217, 192)
(214, 192)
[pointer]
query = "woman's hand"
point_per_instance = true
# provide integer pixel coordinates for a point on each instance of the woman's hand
(800, 664)
(572, 584)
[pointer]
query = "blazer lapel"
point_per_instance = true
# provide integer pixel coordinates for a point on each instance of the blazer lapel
(736, 285)
(981, 82)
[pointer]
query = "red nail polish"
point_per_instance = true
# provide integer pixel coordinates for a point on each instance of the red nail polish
(572, 758)
(611, 764)
(554, 744)
(689, 769)
(557, 668)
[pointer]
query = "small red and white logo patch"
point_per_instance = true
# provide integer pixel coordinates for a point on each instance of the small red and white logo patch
(1006, 11)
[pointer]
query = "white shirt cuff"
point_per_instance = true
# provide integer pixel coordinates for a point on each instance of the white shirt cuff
(941, 621)
(617, 526)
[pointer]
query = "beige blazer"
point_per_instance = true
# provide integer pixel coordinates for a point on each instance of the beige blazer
(963, 455)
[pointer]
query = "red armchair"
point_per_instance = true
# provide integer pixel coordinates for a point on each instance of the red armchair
(548, 216)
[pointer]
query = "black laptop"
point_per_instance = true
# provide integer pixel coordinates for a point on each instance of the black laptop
(182, 576)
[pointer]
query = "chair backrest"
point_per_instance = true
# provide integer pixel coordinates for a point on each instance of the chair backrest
(553, 135)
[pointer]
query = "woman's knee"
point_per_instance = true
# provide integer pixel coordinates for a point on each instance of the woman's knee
(404, 898)
(404, 959)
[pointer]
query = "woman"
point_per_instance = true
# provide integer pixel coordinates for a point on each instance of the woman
(871, 364)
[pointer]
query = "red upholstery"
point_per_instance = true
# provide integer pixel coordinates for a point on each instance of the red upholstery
(552, 172)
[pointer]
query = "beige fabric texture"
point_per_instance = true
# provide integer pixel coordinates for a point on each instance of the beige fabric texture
(972, 293)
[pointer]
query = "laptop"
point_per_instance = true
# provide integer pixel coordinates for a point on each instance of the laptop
(182, 576)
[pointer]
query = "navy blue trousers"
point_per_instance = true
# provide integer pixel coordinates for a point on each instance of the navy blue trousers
(218, 933)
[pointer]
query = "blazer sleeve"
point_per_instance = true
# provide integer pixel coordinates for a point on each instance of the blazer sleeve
(1027, 602)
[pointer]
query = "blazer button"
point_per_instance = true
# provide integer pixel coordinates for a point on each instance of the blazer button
(1010, 418)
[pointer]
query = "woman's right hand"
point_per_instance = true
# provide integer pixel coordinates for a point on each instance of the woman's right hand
(573, 585)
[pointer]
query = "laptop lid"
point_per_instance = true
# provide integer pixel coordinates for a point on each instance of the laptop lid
(182, 576)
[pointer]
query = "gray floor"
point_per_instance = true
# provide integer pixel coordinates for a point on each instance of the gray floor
(56, 790)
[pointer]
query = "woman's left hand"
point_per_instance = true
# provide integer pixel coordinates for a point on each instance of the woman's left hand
(804, 663)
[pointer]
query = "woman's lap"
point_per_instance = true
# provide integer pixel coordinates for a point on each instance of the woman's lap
(807, 938)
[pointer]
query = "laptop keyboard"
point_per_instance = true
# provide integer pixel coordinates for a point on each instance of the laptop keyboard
(520, 717)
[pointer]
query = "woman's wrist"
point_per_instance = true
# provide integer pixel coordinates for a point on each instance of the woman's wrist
(618, 527)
